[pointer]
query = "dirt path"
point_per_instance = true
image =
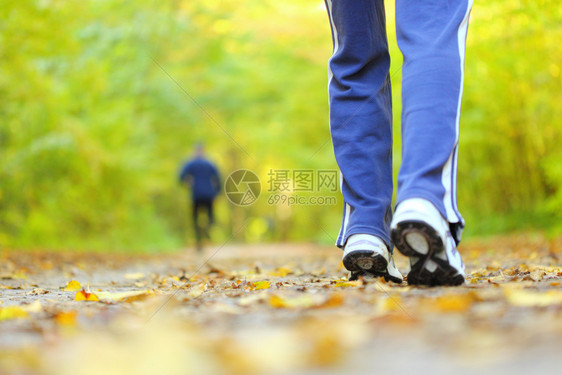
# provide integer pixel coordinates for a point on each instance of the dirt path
(281, 309)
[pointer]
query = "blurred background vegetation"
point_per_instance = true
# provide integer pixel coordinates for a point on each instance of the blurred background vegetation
(94, 120)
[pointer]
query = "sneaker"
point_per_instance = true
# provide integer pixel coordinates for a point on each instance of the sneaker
(367, 255)
(420, 232)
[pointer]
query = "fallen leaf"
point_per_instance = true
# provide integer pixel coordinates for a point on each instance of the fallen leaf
(524, 268)
(259, 285)
(537, 275)
(305, 301)
(477, 274)
(453, 303)
(85, 296)
(292, 302)
(12, 312)
(334, 300)
(20, 274)
(390, 304)
(347, 284)
(217, 270)
(129, 296)
(281, 272)
(527, 298)
(66, 318)
(72, 286)
(196, 290)
(510, 271)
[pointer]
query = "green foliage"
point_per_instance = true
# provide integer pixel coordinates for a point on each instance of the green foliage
(101, 101)
(510, 163)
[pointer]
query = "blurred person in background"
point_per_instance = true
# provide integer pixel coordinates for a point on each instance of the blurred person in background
(202, 177)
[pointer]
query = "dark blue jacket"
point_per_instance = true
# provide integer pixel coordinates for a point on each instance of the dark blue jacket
(202, 176)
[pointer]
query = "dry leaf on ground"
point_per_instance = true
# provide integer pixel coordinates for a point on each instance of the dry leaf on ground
(85, 296)
(72, 286)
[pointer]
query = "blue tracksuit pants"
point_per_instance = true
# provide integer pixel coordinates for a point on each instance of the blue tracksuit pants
(432, 37)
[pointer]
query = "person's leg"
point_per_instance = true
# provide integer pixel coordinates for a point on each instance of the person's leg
(427, 224)
(196, 227)
(361, 128)
(209, 208)
(210, 212)
(432, 37)
(361, 116)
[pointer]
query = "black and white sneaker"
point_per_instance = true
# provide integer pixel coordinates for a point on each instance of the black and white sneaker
(420, 232)
(367, 255)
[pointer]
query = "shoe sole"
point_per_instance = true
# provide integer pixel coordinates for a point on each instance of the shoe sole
(444, 274)
(365, 262)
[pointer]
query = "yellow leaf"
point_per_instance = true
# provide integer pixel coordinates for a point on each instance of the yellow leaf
(510, 271)
(527, 298)
(478, 274)
(347, 284)
(129, 296)
(537, 275)
(389, 304)
(196, 290)
(552, 270)
(20, 274)
(302, 301)
(453, 303)
(335, 300)
(279, 302)
(12, 312)
(258, 285)
(85, 296)
(72, 286)
(66, 318)
(281, 272)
